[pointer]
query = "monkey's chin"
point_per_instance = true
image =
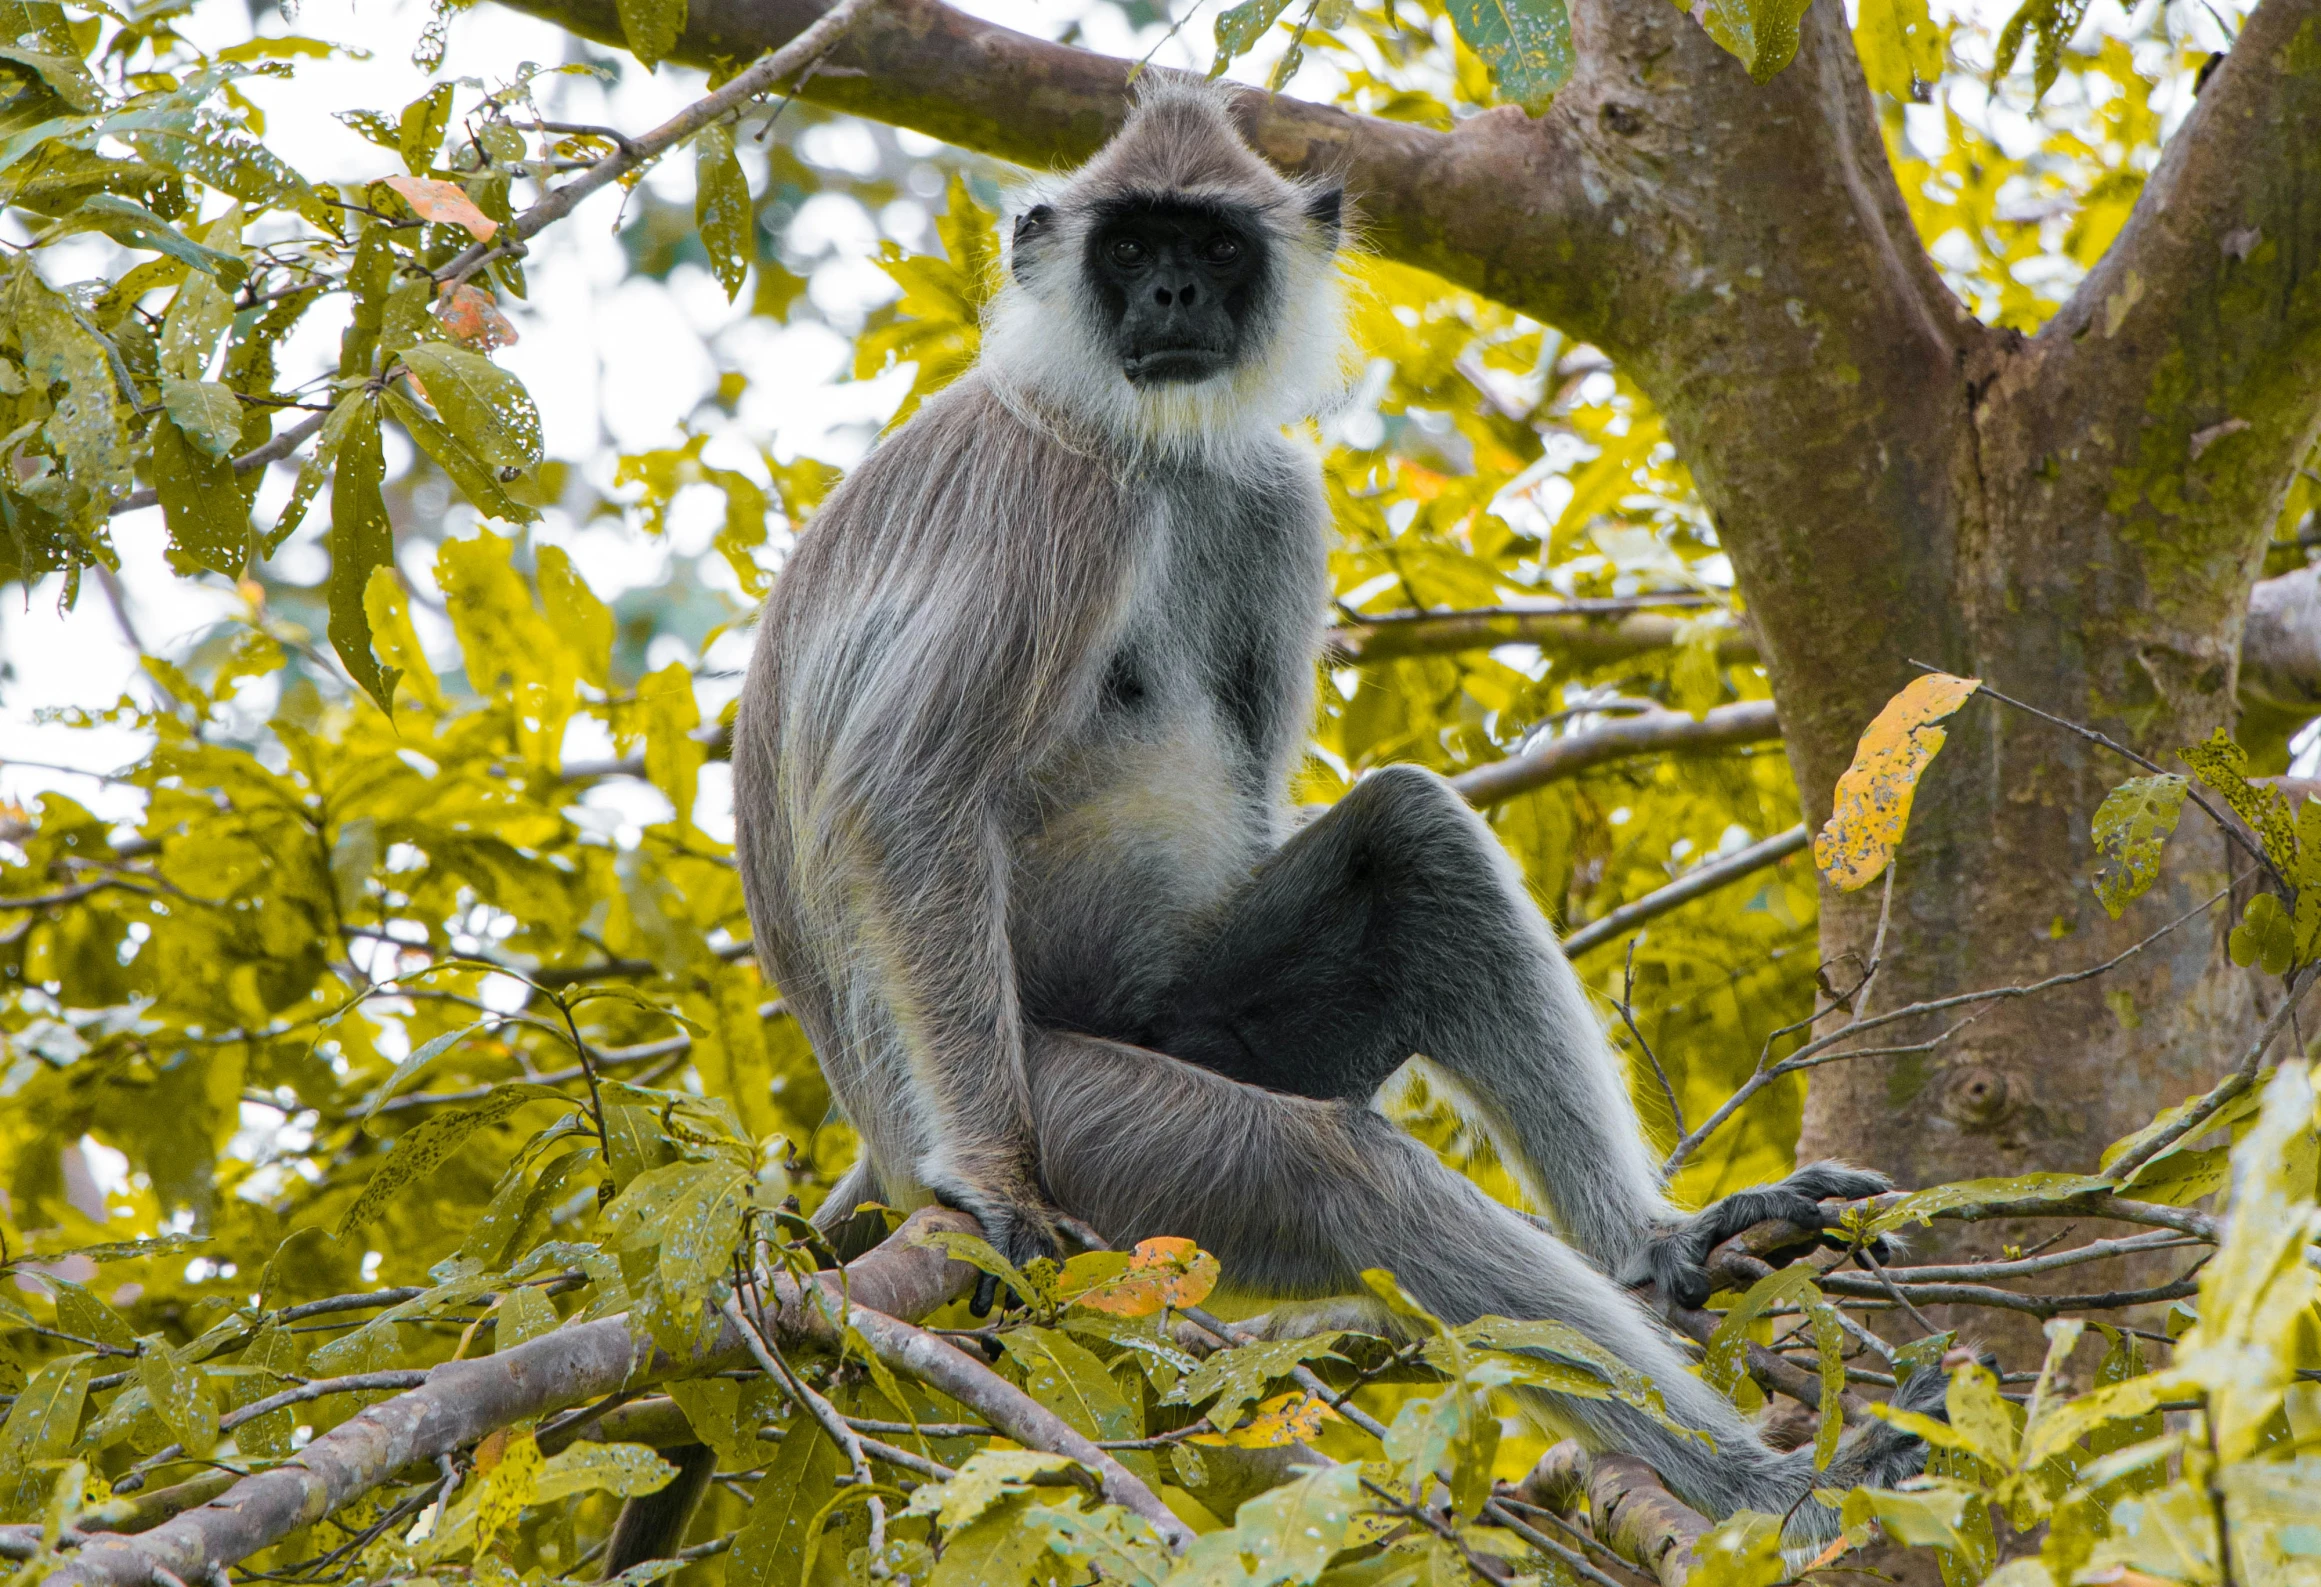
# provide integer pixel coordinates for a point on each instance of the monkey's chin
(1175, 366)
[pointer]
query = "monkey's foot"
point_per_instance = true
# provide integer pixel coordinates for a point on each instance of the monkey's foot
(1676, 1259)
(1018, 1226)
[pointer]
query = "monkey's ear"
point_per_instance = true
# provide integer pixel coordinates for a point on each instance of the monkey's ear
(1028, 227)
(1325, 210)
(1031, 220)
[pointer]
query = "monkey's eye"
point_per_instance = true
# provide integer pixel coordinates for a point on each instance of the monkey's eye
(1129, 253)
(1221, 249)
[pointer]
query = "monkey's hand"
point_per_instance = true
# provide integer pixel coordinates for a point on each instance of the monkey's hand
(1675, 1259)
(1017, 1220)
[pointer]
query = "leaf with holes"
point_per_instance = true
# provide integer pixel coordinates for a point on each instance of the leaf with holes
(721, 208)
(1526, 45)
(1872, 806)
(2132, 826)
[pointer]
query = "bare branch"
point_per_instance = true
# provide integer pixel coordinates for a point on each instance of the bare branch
(1584, 637)
(944, 1366)
(2197, 1114)
(1696, 883)
(1654, 733)
(280, 447)
(2196, 340)
(463, 1400)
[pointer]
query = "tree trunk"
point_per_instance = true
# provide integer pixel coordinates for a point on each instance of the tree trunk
(2076, 517)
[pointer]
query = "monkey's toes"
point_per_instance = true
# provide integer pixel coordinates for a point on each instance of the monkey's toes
(1834, 1181)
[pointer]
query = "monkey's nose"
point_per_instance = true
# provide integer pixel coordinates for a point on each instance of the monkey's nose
(1182, 296)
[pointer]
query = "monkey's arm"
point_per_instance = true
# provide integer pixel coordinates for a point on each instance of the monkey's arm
(938, 629)
(936, 929)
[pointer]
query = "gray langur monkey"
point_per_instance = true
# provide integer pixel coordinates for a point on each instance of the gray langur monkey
(1010, 780)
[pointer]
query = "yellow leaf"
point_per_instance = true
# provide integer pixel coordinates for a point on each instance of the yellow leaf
(1873, 797)
(1292, 1418)
(508, 1486)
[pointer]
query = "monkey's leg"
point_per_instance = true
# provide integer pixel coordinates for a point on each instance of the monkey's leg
(1397, 924)
(1297, 1197)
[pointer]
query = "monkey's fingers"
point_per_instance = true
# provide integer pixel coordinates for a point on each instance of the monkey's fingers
(986, 1289)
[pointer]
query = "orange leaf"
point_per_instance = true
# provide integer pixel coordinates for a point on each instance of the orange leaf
(446, 202)
(1168, 1271)
(1873, 797)
(471, 316)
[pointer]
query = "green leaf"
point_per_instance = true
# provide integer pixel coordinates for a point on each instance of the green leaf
(132, 225)
(419, 133)
(208, 413)
(202, 503)
(85, 428)
(2264, 937)
(1239, 29)
(1899, 46)
(419, 1058)
(1107, 1543)
(362, 538)
(84, 1316)
(2223, 766)
(984, 1478)
(1287, 1535)
(1982, 1418)
(1920, 1206)
(479, 483)
(583, 622)
(419, 1150)
(625, 1469)
(771, 1550)
(2131, 827)
(995, 1550)
(1527, 46)
(180, 1395)
(485, 406)
(47, 1414)
(526, 1313)
(1927, 1517)
(1066, 1377)
(2053, 21)
(1726, 1361)
(673, 757)
(1760, 34)
(397, 642)
(1238, 1377)
(274, 1351)
(721, 208)
(651, 27)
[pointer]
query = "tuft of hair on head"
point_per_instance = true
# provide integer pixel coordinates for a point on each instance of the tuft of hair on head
(1044, 349)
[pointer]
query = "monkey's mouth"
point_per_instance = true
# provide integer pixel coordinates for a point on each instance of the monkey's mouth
(1174, 366)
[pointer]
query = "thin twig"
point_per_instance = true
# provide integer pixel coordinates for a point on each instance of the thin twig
(2196, 1115)
(2224, 822)
(1627, 1009)
(1804, 1057)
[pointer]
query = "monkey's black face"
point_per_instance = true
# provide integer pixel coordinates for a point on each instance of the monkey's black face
(1179, 285)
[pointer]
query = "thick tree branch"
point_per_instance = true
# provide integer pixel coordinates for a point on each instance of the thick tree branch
(1436, 199)
(463, 1400)
(2192, 351)
(1632, 1509)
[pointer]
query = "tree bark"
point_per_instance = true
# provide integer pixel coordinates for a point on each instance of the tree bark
(2077, 517)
